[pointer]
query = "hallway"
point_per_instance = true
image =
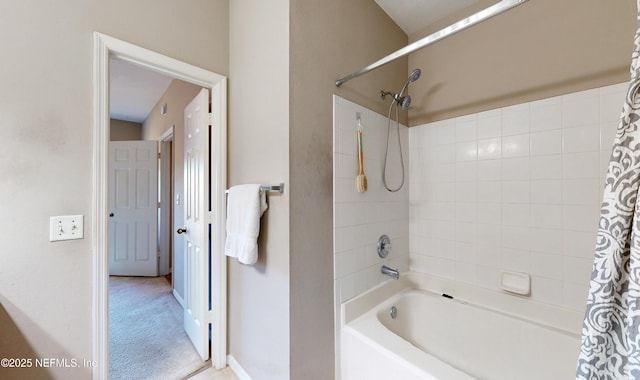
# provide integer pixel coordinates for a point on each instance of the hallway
(146, 337)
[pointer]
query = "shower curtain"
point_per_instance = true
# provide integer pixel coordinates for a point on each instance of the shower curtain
(610, 346)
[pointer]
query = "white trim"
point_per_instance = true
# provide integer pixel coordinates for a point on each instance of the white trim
(100, 299)
(178, 298)
(237, 368)
(218, 186)
(167, 135)
(165, 202)
(106, 47)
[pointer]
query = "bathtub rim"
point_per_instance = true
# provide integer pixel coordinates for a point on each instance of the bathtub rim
(555, 317)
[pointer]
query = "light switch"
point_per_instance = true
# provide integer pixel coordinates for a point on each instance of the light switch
(66, 227)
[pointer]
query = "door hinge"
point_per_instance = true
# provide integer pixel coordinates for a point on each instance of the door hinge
(210, 118)
(159, 155)
(209, 316)
(210, 217)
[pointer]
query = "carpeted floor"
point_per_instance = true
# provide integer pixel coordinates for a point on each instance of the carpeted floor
(146, 337)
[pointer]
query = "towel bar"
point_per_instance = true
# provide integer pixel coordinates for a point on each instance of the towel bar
(279, 188)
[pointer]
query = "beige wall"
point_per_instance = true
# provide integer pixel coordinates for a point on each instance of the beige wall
(45, 288)
(284, 59)
(121, 130)
(540, 49)
(176, 97)
(258, 152)
(329, 39)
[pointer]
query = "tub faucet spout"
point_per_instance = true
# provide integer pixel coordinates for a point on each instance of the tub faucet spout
(393, 273)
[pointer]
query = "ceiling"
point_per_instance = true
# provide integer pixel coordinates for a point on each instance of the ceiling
(414, 15)
(134, 91)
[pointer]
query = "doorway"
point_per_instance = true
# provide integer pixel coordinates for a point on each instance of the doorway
(166, 205)
(106, 47)
(146, 335)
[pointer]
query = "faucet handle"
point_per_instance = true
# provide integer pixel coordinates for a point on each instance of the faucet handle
(384, 246)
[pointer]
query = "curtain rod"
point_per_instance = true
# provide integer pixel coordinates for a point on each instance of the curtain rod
(475, 18)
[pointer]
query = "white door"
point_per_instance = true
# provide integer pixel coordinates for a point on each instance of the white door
(196, 223)
(133, 208)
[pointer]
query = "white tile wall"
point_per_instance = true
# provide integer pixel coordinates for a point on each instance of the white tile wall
(515, 188)
(361, 218)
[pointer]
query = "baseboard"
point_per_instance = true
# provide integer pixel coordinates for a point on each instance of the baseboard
(237, 368)
(178, 298)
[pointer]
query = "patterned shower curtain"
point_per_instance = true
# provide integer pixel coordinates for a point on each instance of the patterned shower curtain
(611, 330)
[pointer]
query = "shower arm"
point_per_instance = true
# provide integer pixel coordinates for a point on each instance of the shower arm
(475, 18)
(383, 94)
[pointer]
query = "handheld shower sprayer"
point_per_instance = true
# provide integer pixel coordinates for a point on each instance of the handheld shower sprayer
(415, 74)
(403, 102)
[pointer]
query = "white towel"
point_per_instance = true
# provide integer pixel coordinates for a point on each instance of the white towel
(245, 206)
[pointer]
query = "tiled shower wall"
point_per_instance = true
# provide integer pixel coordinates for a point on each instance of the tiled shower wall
(361, 218)
(517, 188)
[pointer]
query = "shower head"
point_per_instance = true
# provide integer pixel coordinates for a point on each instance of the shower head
(403, 101)
(415, 74)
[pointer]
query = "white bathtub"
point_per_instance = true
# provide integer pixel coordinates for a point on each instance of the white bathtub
(477, 334)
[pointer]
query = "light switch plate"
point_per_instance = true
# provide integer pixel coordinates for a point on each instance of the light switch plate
(68, 227)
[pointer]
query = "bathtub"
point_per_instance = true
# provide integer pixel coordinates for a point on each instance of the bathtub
(448, 330)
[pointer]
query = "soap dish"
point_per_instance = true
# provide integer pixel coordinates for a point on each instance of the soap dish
(515, 282)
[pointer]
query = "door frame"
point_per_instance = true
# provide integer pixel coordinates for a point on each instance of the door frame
(166, 193)
(106, 47)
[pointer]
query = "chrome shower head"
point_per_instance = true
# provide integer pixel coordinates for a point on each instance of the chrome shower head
(405, 102)
(415, 74)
